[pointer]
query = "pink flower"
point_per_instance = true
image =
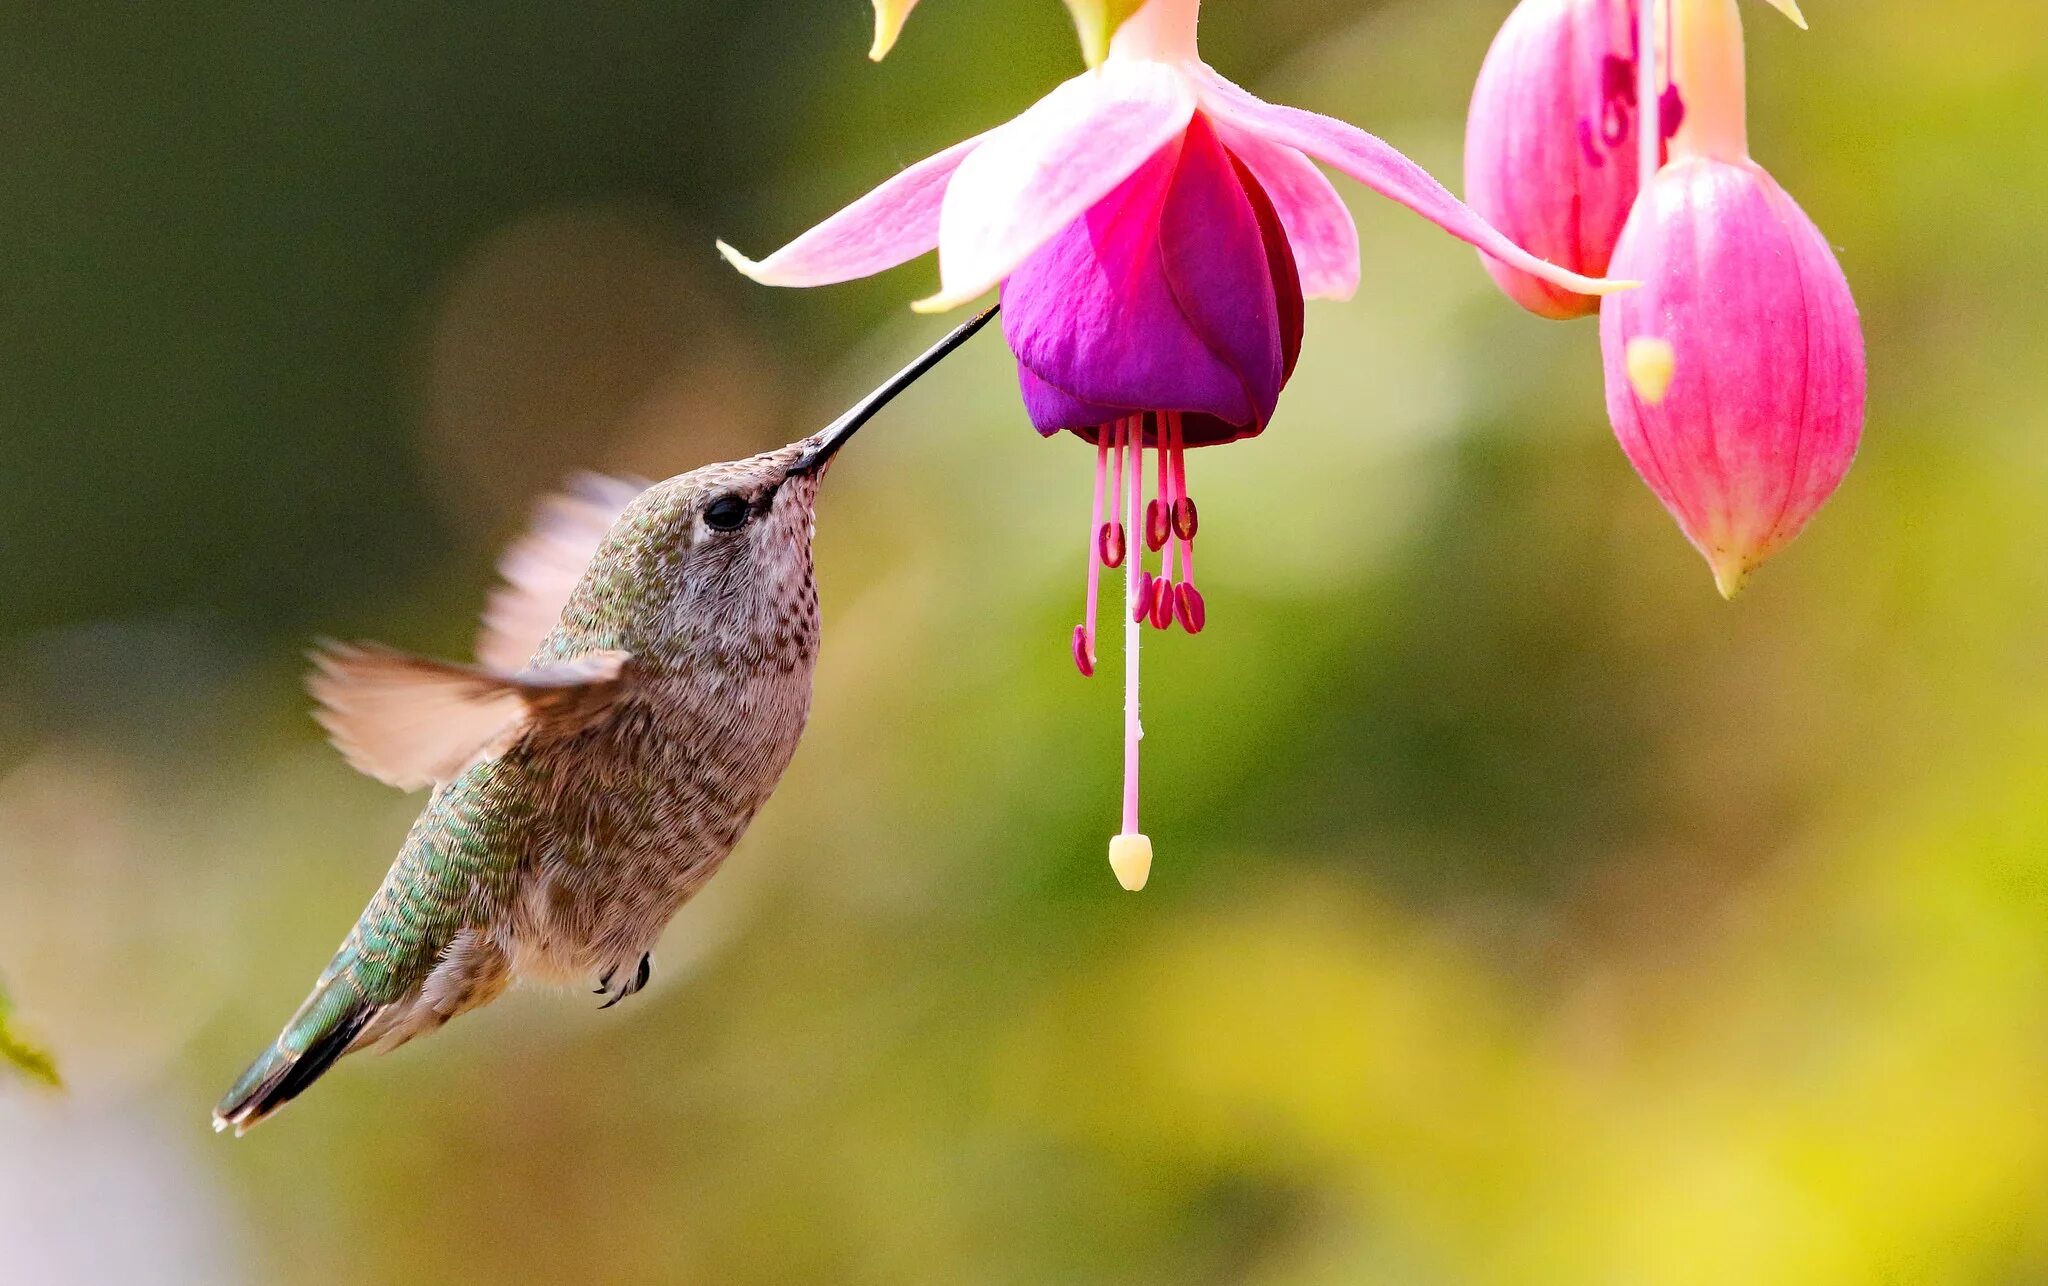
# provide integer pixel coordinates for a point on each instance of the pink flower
(1154, 229)
(1551, 144)
(1735, 376)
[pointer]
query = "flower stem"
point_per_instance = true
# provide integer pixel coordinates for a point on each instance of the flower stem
(1706, 64)
(1649, 116)
(1162, 30)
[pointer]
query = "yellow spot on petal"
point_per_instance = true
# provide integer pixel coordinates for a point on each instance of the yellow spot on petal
(1790, 8)
(1652, 364)
(1130, 856)
(889, 16)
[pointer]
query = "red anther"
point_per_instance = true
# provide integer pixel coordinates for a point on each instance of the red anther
(1109, 544)
(1158, 523)
(1671, 111)
(1618, 80)
(1189, 607)
(1162, 603)
(1141, 597)
(1185, 519)
(1083, 662)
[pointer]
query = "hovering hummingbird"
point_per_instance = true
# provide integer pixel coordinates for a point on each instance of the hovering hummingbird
(643, 676)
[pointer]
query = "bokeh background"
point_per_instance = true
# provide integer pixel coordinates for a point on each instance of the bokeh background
(1523, 914)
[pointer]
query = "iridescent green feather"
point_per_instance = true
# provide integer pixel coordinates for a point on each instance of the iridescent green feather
(460, 858)
(459, 862)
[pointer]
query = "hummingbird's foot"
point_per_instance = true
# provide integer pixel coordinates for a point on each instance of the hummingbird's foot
(626, 986)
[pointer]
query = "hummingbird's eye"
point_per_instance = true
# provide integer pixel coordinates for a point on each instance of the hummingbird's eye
(727, 513)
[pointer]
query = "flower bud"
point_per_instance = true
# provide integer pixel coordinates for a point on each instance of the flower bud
(1551, 143)
(1735, 375)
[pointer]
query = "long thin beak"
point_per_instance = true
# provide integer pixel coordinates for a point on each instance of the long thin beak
(828, 440)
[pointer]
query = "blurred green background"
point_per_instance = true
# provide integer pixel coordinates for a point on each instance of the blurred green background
(1523, 913)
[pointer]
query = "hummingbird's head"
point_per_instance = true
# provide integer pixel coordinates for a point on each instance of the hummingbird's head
(718, 560)
(720, 557)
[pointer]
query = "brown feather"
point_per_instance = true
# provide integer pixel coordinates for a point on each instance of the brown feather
(541, 568)
(411, 721)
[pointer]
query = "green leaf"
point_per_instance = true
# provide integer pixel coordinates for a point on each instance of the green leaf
(1097, 21)
(24, 1057)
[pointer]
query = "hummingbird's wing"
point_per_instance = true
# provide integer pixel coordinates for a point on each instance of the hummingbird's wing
(541, 568)
(411, 721)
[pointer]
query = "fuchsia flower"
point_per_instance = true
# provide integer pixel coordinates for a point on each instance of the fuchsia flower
(1551, 145)
(1735, 376)
(1154, 229)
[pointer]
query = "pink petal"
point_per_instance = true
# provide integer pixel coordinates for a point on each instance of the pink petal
(1096, 322)
(1213, 254)
(893, 224)
(1043, 170)
(1318, 224)
(1381, 167)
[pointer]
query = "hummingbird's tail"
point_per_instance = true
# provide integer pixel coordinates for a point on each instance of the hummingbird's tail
(324, 1029)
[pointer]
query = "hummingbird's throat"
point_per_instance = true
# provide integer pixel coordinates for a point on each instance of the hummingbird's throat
(1165, 525)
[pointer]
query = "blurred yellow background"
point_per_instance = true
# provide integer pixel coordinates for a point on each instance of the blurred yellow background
(1523, 913)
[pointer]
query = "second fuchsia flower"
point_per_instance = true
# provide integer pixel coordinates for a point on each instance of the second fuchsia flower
(1154, 230)
(1735, 376)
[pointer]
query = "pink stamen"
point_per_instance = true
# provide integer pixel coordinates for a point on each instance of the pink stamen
(1141, 597)
(1159, 514)
(1134, 731)
(1118, 436)
(1182, 499)
(1168, 492)
(1084, 634)
(1162, 613)
(1189, 607)
(1163, 589)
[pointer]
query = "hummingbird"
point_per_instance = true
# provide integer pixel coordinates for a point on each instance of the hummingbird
(643, 675)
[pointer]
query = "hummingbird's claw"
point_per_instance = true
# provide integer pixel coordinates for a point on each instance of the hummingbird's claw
(627, 986)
